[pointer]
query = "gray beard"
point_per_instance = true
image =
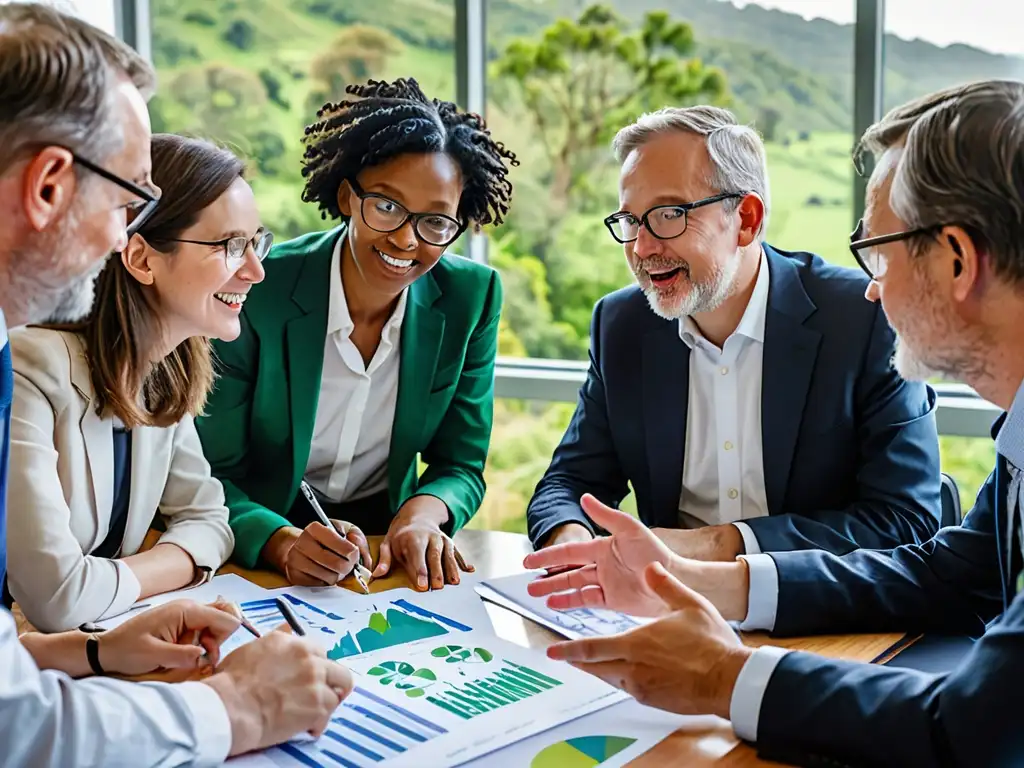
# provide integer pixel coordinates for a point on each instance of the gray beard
(38, 290)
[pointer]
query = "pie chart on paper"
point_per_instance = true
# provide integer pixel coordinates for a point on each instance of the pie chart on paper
(582, 752)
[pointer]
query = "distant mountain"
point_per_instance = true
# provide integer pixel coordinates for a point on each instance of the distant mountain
(773, 58)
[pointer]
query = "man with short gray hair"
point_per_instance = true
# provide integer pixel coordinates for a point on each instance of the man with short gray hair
(942, 243)
(745, 393)
(74, 178)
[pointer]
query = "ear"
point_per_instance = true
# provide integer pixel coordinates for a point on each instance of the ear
(751, 213)
(136, 259)
(345, 198)
(49, 187)
(959, 254)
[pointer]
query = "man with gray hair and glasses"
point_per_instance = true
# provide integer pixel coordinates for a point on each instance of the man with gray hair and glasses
(943, 243)
(74, 171)
(745, 393)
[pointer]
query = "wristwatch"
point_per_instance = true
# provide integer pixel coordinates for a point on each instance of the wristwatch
(92, 653)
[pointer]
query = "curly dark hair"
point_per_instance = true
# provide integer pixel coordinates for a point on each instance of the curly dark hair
(391, 119)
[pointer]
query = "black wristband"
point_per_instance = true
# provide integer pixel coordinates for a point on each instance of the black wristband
(92, 653)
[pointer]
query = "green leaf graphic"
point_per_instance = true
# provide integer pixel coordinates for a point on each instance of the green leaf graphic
(378, 623)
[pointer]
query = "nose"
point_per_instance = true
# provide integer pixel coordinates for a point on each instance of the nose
(871, 293)
(403, 238)
(646, 244)
(252, 268)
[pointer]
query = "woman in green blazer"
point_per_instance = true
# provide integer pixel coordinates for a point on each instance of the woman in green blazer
(367, 348)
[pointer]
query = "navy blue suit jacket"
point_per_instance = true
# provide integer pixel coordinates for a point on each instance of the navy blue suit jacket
(851, 454)
(819, 711)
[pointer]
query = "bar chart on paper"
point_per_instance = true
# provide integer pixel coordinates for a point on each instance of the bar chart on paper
(363, 629)
(366, 730)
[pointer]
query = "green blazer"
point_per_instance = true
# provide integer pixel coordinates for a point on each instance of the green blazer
(259, 420)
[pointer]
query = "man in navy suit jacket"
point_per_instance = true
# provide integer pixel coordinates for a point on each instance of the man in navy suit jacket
(746, 393)
(942, 242)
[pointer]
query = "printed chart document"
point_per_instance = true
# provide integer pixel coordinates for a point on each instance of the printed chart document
(510, 592)
(609, 738)
(444, 700)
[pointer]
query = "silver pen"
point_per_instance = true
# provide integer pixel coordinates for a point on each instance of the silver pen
(311, 498)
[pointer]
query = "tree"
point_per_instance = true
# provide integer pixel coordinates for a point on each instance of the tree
(582, 80)
(768, 122)
(356, 54)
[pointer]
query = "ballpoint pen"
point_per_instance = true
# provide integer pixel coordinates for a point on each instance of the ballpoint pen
(357, 572)
(290, 617)
(236, 610)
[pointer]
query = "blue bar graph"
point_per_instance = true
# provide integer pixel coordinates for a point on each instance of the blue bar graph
(366, 731)
(403, 712)
(405, 605)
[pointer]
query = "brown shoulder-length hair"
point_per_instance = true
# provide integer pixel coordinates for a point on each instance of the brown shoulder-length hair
(124, 324)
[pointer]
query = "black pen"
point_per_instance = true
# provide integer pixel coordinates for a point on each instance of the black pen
(290, 617)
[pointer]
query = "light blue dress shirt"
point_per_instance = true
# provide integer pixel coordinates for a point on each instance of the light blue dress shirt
(763, 595)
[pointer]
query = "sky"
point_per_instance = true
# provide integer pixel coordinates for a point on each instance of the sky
(992, 25)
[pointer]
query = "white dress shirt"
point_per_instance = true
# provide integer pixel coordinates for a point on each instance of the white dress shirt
(348, 457)
(723, 467)
(48, 719)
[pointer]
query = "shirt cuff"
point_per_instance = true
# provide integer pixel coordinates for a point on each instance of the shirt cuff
(748, 693)
(212, 727)
(128, 591)
(763, 597)
(750, 545)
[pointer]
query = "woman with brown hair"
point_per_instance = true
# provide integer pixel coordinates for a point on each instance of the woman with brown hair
(102, 433)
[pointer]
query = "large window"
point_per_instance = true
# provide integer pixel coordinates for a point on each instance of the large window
(558, 88)
(252, 74)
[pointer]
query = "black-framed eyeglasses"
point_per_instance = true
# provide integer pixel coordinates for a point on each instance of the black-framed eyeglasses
(138, 211)
(663, 221)
(235, 247)
(865, 249)
(382, 214)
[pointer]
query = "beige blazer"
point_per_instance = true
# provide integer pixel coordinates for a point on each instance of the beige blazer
(60, 491)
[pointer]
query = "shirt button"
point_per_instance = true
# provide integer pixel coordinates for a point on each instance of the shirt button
(725, 370)
(728, 445)
(733, 493)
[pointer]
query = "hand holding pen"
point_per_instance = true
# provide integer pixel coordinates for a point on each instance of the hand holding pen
(348, 533)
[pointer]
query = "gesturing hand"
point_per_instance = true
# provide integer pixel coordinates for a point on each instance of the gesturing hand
(685, 662)
(163, 638)
(611, 575)
(415, 540)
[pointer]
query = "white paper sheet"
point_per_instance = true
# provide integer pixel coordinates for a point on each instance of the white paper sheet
(510, 592)
(445, 700)
(608, 738)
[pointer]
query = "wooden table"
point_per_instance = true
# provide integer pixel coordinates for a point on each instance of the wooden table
(501, 554)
